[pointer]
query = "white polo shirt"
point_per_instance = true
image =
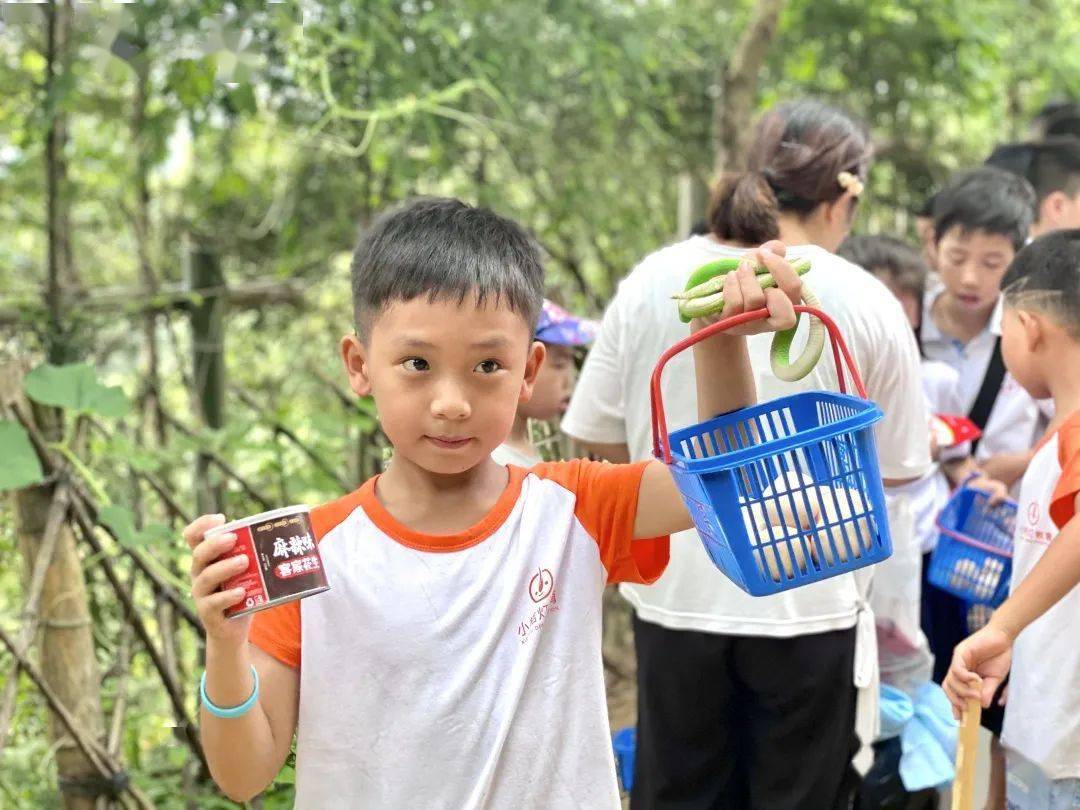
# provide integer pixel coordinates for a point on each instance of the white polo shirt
(1017, 420)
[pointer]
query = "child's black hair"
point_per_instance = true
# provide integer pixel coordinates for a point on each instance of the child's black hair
(1058, 118)
(1050, 165)
(986, 199)
(887, 254)
(443, 248)
(1045, 275)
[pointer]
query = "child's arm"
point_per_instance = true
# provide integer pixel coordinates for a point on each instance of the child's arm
(1008, 467)
(725, 380)
(981, 662)
(245, 753)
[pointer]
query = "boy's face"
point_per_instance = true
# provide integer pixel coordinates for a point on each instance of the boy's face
(554, 384)
(1021, 336)
(972, 264)
(447, 378)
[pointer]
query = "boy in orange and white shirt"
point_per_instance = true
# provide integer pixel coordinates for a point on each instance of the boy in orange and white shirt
(455, 661)
(1041, 348)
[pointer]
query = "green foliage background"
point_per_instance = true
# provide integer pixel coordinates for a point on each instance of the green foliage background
(271, 132)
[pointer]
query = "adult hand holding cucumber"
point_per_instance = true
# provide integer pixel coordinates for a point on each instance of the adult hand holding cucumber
(758, 279)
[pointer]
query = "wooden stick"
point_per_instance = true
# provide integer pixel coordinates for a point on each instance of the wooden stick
(963, 791)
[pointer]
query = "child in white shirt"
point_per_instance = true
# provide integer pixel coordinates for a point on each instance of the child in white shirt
(562, 335)
(1041, 345)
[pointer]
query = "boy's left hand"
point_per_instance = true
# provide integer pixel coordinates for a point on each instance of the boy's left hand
(979, 665)
(742, 293)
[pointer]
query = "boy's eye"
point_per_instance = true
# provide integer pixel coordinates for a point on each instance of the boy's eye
(488, 366)
(415, 364)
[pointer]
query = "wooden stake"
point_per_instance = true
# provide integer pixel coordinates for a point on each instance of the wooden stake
(963, 792)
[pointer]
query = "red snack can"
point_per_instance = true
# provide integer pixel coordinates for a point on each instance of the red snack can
(283, 559)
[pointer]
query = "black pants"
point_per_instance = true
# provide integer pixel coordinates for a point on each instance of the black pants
(733, 722)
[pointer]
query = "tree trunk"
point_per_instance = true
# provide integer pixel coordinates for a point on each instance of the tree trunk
(738, 84)
(61, 272)
(207, 336)
(151, 393)
(68, 661)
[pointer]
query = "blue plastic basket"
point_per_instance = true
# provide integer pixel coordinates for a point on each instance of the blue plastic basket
(973, 557)
(819, 445)
(624, 742)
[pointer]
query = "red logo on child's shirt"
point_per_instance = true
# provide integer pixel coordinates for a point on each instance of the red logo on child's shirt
(541, 585)
(542, 592)
(1033, 512)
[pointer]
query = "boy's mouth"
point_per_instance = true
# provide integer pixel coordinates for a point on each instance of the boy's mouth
(449, 442)
(968, 300)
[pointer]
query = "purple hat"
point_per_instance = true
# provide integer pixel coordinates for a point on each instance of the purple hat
(559, 327)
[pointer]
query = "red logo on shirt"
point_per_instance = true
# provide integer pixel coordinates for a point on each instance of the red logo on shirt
(541, 585)
(1033, 513)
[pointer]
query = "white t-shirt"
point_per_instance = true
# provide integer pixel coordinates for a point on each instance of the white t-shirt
(1042, 716)
(505, 454)
(1017, 420)
(611, 405)
(463, 671)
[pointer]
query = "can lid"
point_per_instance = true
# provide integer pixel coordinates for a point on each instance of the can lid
(273, 514)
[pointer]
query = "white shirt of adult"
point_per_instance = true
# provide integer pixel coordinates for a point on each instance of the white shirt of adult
(611, 405)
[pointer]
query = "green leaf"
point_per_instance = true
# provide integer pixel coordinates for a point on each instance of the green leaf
(121, 523)
(75, 387)
(21, 467)
(155, 534)
(242, 100)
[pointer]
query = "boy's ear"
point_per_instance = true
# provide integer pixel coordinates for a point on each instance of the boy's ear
(1054, 208)
(537, 354)
(1034, 332)
(354, 356)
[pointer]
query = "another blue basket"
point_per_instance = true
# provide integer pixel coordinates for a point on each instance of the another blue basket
(973, 558)
(624, 742)
(726, 469)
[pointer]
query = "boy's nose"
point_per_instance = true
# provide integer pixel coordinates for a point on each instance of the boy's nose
(450, 403)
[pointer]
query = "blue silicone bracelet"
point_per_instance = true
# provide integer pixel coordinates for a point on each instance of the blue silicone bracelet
(232, 711)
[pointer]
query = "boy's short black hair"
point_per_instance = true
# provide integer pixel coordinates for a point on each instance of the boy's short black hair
(1050, 165)
(444, 248)
(1058, 118)
(986, 199)
(1045, 276)
(887, 254)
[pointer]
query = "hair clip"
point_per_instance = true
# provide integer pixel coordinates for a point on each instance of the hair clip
(849, 182)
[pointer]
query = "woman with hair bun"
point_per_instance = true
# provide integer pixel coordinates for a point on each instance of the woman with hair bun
(742, 701)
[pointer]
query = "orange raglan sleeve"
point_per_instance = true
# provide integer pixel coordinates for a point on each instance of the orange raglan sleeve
(276, 630)
(606, 506)
(1063, 501)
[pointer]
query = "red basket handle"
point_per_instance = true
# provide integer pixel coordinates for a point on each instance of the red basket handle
(661, 442)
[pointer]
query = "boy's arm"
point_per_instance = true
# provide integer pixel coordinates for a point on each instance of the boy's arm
(1008, 467)
(725, 379)
(245, 753)
(982, 661)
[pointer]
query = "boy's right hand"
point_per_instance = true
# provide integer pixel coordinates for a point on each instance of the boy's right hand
(979, 665)
(211, 565)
